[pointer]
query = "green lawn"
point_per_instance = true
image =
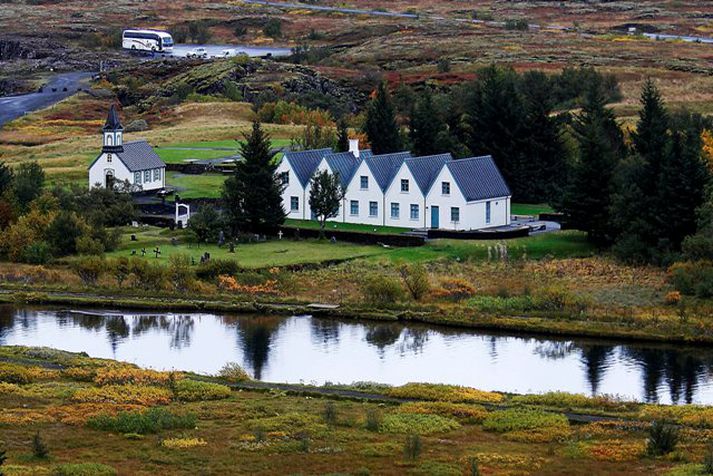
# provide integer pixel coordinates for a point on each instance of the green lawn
(204, 150)
(258, 255)
(530, 209)
(346, 226)
(196, 186)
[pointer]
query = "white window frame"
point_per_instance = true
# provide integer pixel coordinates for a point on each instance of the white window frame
(412, 208)
(157, 174)
(137, 178)
(373, 206)
(147, 176)
(363, 179)
(294, 203)
(455, 211)
(407, 184)
(354, 205)
(445, 185)
(488, 213)
(395, 207)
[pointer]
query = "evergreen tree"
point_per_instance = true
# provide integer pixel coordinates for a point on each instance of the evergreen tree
(325, 197)
(253, 195)
(6, 177)
(342, 137)
(28, 182)
(587, 197)
(380, 126)
(428, 132)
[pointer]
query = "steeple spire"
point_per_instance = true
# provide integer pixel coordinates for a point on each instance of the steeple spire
(113, 132)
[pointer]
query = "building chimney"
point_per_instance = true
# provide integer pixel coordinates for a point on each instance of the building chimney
(354, 147)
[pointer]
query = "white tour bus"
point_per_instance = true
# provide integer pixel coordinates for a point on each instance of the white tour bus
(147, 40)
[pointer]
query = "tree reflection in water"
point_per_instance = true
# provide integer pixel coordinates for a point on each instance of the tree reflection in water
(254, 336)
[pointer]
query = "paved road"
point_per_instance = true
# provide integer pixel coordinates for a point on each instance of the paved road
(216, 51)
(59, 87)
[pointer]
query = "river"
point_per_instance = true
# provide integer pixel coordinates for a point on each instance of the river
(317, 350)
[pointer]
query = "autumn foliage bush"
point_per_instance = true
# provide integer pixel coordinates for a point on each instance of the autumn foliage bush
(194, 391)
(454, 289)
(462, 411)
(416, 423)
(444, 393)
(134, 376)
(136, 394)
(152, 420)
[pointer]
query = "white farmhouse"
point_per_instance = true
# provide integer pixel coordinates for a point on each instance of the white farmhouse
(133, 162)
(400, 190)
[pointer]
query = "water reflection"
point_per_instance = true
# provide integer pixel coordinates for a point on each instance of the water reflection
(317, 350)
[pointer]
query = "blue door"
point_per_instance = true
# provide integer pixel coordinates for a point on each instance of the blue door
(434, 216)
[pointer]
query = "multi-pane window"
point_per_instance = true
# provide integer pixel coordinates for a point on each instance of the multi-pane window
(404, 185)
(294, 204)
(137, 177)
(445, 188)
(414, 211)
(455, 214)
(487, 212)
(354, 207)
(285, 178)
(364, 182)
(395, 211)
(108, 158)
(373, 209)
(157, 174)
(147, 175)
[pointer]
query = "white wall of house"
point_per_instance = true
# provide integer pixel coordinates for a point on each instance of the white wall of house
(364, 197)
(471, 215)
(404, 200)
(293, 189)
(151, 179)
(108, 164)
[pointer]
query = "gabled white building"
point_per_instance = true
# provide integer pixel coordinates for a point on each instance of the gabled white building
(133, 162)
(400, 190)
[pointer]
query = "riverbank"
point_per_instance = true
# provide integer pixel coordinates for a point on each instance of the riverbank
(547, 324)
(107, 417)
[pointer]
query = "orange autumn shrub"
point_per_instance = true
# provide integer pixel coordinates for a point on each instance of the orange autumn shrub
(80, 374)
(672, 298)
(124, 394)
(77, 414)
(135, 376)
(23, 416)
(454, 289)
(20, 374)
(444, 393)
(616, 450)
(229, 283)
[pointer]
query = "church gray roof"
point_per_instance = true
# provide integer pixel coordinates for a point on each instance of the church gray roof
(425, 169)
(305, 162)
(112, 120)
(478, 178)
(343, 163)
(138, 155)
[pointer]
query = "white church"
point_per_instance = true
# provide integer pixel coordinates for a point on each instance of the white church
(401, 190)
(133, 162)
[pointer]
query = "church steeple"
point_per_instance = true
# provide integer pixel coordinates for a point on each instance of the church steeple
(113, 132)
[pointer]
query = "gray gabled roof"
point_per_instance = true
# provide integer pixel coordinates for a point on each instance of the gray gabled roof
(478, 178)
(305, 162)
(343, 163)
(136, 156)
(366, 153)
(425, 169)
(385, 166)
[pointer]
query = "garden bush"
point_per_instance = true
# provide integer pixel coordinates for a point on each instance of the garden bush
(692, 278)
(194, 391)
(152, 420)
(380, 290)
(135, 394)
(83, 469)
(414, 423)
(233, 372)
(415, 278)
(89, 269)
(443, 393)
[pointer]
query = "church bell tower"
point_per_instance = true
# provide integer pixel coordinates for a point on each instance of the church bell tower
(113, 133)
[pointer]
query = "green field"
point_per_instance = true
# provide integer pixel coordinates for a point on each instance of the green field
(257, 255)
(196, 186)
(173, 153)
(530, 209)
(312, 224)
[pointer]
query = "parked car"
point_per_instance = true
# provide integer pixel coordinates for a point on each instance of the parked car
(227, 53)
(198, 53)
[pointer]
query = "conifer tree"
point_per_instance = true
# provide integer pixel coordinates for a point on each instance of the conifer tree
(381, 127)
(342, 137)
(428, 132)
(252, 195)
(587, 198)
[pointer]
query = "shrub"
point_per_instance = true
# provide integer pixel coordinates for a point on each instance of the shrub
(692, 278)
(194, 391)
(180, 274)
(516, 419)
(291, 423)
(470, 413)
(330, 414)
(672, 298)
(380, 290)
(139, 395)
(215, 267)
(273, 28)
(39, 448)
(37, 252)
(412, 447)
(89, 269)
(233, 372)
(443, 393)
(415, 279)
(150, 421)
(12, 373)
(182, 443)
(130, 375)
(120, 269)
(454, 289)
(417, 424)
(708, 461)
(83, 469)
(574, 400)
(662, 440)
(473, 467)
(373, 419)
